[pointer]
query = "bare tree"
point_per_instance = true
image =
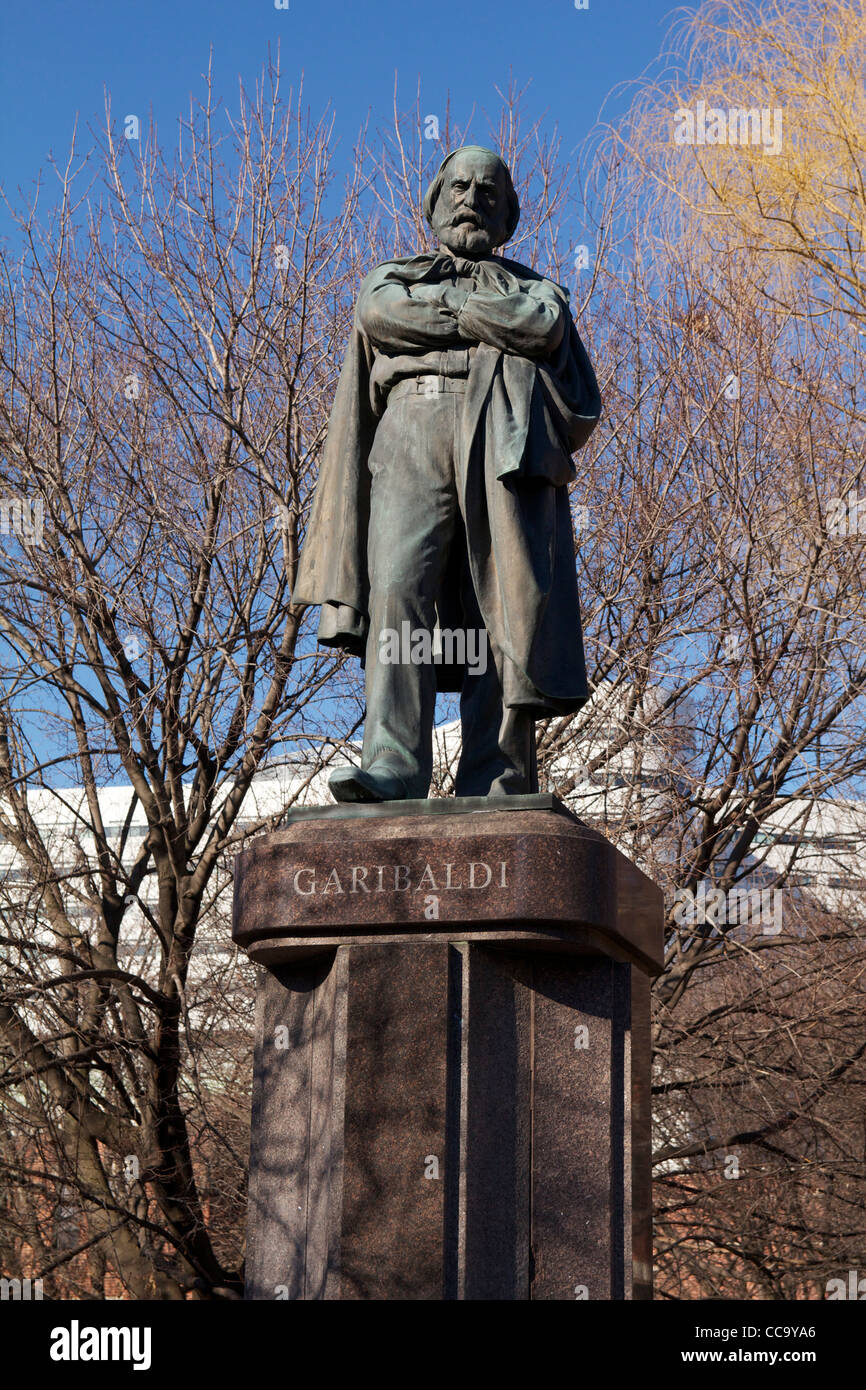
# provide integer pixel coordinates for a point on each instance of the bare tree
(168, 355)
(722, 578)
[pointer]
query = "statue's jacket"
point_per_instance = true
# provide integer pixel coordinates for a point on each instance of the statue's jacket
(531, 400)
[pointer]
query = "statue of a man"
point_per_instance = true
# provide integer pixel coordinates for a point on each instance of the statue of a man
(442, 495)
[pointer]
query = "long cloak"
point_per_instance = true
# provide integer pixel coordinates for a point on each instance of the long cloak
(522, 420)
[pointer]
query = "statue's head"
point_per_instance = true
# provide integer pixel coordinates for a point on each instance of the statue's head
(471, 204)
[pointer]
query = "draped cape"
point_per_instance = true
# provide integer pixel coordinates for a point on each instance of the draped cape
(522, 420)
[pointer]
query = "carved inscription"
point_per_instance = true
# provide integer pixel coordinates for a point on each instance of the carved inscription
(311, 881)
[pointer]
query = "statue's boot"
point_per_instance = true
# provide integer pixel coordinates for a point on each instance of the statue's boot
(373, 784)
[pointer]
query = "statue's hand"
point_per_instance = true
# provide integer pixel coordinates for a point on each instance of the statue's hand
(443, 296)
(453, 298)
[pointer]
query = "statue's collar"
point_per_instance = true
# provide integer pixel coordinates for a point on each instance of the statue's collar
(430, 264)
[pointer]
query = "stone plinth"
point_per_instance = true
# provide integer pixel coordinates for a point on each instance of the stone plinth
(451, 1093)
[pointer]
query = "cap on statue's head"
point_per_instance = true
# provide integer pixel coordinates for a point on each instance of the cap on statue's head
(432, 194)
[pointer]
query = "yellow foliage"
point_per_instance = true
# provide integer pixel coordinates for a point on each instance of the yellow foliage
(790, 198)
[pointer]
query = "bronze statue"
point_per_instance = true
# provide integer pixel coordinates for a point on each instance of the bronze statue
(442, 494)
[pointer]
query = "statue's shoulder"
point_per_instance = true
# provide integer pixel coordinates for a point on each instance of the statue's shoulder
(525, 272)
(389, 269)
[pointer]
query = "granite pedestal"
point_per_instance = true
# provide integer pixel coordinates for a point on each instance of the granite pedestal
(452, 1066)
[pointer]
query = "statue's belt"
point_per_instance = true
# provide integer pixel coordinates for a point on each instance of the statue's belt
(427, 386)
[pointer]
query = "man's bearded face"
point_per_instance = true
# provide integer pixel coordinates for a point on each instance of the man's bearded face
(471, 212)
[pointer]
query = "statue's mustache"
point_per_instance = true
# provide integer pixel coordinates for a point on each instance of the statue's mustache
(472, 218)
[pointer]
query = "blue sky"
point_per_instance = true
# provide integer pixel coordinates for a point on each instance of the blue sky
(57, 57)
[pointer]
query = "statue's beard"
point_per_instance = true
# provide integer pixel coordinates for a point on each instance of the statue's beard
(467, 238)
